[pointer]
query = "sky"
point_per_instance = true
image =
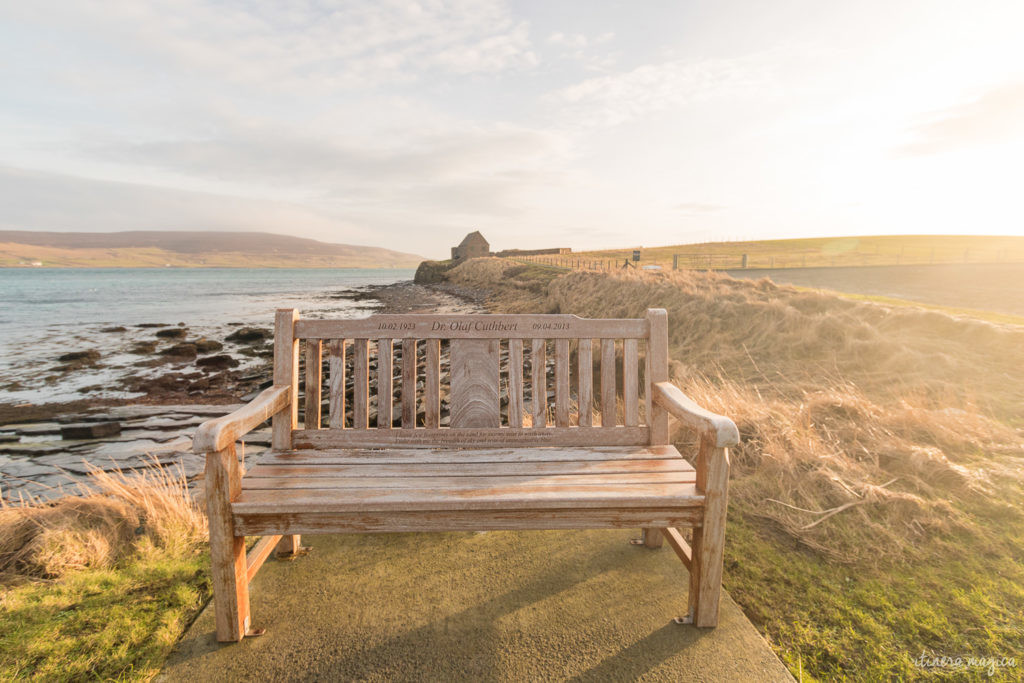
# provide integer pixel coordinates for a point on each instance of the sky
(539, 123)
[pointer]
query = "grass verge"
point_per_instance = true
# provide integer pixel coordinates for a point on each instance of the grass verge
(102, 585)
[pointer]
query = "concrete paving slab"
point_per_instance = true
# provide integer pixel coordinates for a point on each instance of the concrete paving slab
(509, 606)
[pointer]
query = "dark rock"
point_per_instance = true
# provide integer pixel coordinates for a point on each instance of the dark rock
(207, 345)
(143, 347)
(172, 333)
(9, 438)
(119, 328)
(90, 430)
(218, 362)
(248, 335)
(90, 356)
(145, 325)
(180, 351)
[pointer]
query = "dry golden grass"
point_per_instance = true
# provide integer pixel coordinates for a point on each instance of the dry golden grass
(117, 513)
(861, 425)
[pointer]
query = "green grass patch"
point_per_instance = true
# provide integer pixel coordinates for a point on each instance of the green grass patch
(963, 596)
(107, 624)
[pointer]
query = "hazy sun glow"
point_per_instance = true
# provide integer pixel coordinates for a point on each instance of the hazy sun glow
(408, 125)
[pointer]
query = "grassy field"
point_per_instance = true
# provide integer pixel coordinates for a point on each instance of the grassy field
(823, 251)
(875, 496)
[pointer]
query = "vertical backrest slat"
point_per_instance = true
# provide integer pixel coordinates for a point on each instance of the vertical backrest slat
(561, 382)
(585, 392)
(432, 384)
(385, 384)
(408, 383)
(286, 373)
(336, 379)
(630, 379)
(647, 383)
(515, 382)
(314, 351)
(475, 402)
(657, 348)
(608, 383)
(360, 377)
(538, 382)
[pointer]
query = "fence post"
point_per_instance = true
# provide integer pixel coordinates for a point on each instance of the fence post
(744, 260)
(675, 261)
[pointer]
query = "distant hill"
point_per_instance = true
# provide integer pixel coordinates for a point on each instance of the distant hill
(145, 248)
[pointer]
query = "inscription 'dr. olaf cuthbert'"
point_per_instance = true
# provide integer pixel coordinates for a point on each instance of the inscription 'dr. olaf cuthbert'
(471, 326)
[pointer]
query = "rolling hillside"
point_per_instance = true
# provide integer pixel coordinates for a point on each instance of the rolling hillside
(189, 249)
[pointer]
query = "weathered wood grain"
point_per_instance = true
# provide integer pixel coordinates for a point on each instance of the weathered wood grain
(527, 326)
(672, 466)
(474, 383)
(585, 391)
(472, 438)
(608, 390)
(678, 544)
(721, 429)
(432, 384)
(709, 540)
(282, 522)
(460, 456)
(561, 382)
(258, 555)
(463, 483)
(286, 373)
(630, 379)
(657, 349)
(219, 433)
(360, 384)
(336, 351)
(227, 546)
(385, 383)
(515, 382)
(495, 497)
(408, 383)
(539, 382)
(314, 381)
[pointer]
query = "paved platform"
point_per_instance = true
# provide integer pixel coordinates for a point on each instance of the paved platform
(511, 606)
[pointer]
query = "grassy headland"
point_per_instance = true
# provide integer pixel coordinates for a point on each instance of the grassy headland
(824, 251)
(155, 249)
(874, 504)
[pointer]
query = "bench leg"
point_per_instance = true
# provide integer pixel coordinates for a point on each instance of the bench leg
(227, 551)
(652, 538)
(289, 545)
(709, 542)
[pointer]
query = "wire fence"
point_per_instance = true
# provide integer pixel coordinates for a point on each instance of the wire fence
(665, 260)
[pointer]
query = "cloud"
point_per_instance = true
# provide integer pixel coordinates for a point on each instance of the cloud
(996, 116)
(283, 46)
(621, 97)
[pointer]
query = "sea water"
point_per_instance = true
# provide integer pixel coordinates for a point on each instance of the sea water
(48, 311)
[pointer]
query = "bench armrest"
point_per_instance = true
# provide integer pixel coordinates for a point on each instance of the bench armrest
(722, 430)
(218, 434)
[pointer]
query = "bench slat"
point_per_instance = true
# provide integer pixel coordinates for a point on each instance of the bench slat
(489, 498)
(515, 382)
(473, 326)
(385, 383)
(539, 382)
(360, 388)
(630, 390)
(464, 483)
(311, 420)
(470, 469)
(471, 438)
(607, 383)
(463, 456)
(585, 397)
(336, 350)
(432, 384)
(408, 383)
(256, 524)
(561, 382)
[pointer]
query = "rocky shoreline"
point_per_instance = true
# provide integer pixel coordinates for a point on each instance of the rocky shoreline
(174, 379)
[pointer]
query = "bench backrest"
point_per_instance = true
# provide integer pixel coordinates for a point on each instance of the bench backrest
(506, 380)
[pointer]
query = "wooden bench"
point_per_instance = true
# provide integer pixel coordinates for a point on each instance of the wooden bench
(495, 464)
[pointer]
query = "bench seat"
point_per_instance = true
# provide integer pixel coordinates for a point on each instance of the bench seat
(555, 487)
